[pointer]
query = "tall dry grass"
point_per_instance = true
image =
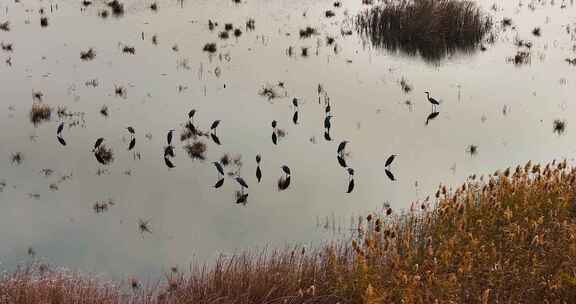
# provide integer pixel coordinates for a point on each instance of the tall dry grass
(504, 238)
(432, 29)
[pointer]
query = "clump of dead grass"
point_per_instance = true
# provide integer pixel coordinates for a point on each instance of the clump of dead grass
(431, 28)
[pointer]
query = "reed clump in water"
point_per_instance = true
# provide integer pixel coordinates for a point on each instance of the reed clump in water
(40, 113)
(432, 29)
(196, 150)
(504, 237)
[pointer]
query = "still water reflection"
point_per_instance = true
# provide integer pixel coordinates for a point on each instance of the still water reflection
(135, 215)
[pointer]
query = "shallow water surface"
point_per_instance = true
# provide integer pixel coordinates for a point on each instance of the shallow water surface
(506, 111)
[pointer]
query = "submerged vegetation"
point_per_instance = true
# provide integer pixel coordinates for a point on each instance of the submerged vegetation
(431, 29)
(506, 237)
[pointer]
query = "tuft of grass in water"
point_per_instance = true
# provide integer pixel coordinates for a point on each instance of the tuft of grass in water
(43, 21)
(223, 35)
(16, 158)
(504, 237)
(5, 26)
(251, 24)
(308, 32)
(6, 47)
(521, 58)
(472, 150)
(104, 111)
(39, 113)
(432, 29)
(210, 48)
(406, 87)
(559, 126)
(129, 50)
(196, 150)
(117, 8)
(88, 55)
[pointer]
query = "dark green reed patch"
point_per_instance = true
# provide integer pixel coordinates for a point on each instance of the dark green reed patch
(431, 29)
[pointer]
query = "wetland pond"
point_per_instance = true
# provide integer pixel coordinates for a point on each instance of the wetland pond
(147, 64)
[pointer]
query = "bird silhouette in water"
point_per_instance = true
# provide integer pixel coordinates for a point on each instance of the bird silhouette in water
(327, 136)
(169, 151)
(213, 131)
(350, 180)
(191, 114)
(242, 183)
(61, 140)
(59, 135)
(432, 116)
(387, 165)
(274, 135)
(327, 124)
(258, 170)
(433, 101)
(220, 170)
(98, 143)
(295, 116)
(132, 144)
(241, 198)
(168, 163)
(169, 136)
(60, 128)
(341, 161)
(284, 181)
(131, 130)
(341, 147)
(214, 125)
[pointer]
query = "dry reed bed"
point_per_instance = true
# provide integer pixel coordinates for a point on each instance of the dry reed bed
(508, 237)
(431, 28)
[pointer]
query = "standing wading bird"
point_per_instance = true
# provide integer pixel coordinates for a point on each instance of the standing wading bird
(258, 171)
(60, 128)
(350, 180)
(98, 143)
(433, 101)
(341, 147)
(169, 151)
(284, 181)
(132, 144)
(327, 123)
(214, 125)
(387, 164)
(240, 196)
(219, 168)
(241, 181)
(169, 136)
(168, 163)
(274, 136)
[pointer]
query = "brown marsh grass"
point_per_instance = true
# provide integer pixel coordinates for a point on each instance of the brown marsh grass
(196, 150)
(507, 237)
(39, 113)
(432, 29)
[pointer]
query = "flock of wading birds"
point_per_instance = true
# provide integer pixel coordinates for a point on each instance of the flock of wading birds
(102, 154)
